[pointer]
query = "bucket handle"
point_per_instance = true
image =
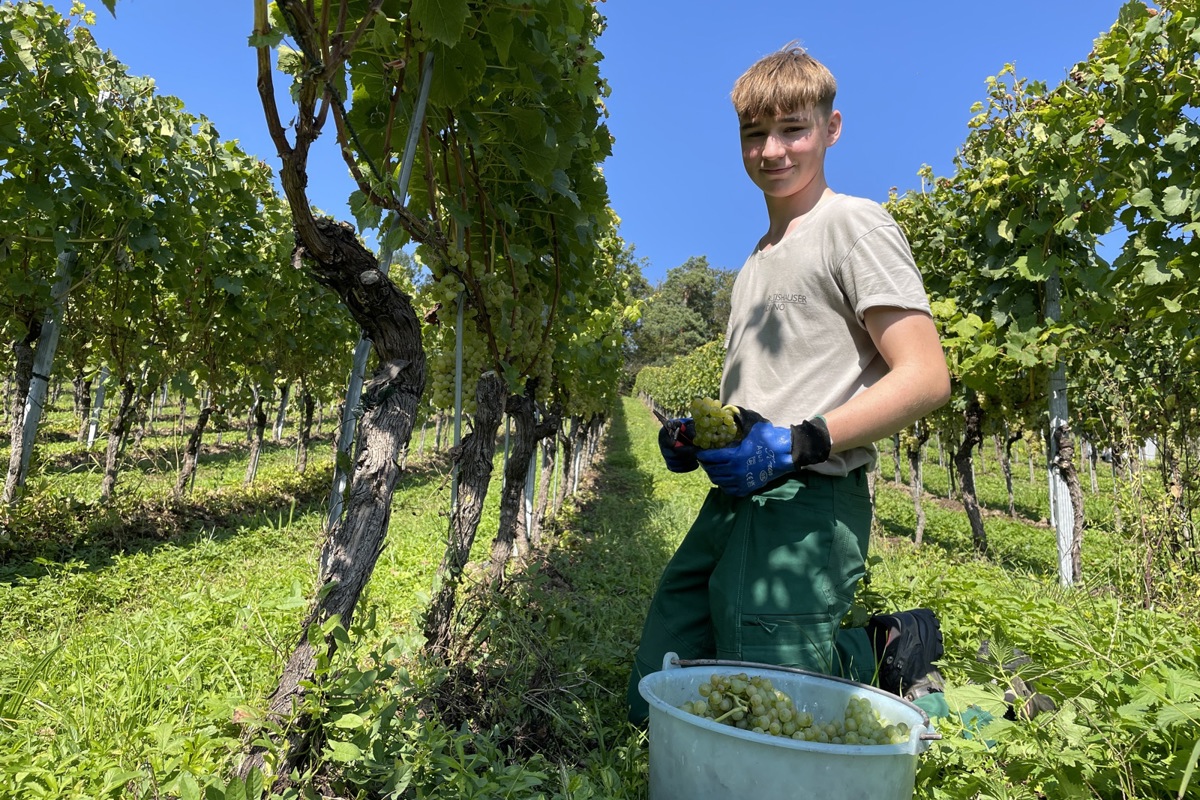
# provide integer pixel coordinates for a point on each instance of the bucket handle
(673, 661)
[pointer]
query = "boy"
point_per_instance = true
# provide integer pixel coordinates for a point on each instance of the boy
(830, 347)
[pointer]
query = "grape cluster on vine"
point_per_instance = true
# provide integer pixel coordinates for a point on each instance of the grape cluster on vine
(505, 317)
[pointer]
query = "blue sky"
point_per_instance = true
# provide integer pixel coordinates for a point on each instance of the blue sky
(908, 73)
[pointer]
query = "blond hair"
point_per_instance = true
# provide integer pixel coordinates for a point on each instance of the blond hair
(782, 82)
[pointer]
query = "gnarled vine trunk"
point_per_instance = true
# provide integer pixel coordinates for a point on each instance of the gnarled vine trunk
(570, 439)
(964, 460)
(24, 354)
(116, 438)
(474, 456)
(191, 454)
(549, 460)
(896, 476)
(337, 259)
(1005, 454)
(281, 413)
(916, 476)
(951, 479)
(83, 406)
(308, 405)
(1064, 462)
(526, 435)
(259, 414)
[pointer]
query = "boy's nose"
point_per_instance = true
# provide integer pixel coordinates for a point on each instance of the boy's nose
(772, 147)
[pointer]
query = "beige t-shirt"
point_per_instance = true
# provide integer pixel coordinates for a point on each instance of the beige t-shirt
(796, 345)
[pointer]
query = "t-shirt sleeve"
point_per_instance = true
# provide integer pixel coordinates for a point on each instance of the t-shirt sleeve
(879, 270)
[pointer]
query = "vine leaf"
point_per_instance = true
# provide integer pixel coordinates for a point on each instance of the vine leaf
(1175, 202)
(500, 29)
(442, 20)
(460, 69)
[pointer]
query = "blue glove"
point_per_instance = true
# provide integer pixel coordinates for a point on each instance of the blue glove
(766, 452)
(763, 454)
(675, 441)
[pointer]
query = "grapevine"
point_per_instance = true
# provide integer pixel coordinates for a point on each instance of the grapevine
(672, 387)
(754, 704)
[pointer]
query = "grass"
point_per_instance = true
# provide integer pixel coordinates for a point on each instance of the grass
(127, 664)
(158, 644)
(130, 653)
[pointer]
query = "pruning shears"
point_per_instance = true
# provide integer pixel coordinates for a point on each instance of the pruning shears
(676, 430)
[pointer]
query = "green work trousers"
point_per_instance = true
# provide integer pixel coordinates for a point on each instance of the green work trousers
(766, 578)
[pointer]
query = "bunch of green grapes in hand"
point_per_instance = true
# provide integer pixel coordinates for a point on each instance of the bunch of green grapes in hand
(716, 425)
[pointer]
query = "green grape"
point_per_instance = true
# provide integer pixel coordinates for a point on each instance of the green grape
(754, 704)
(715, 424)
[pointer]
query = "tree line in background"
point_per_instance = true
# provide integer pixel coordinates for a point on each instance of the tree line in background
(687, 309)
(1062, 264)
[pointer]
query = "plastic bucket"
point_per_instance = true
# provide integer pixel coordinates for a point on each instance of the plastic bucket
(692, 758)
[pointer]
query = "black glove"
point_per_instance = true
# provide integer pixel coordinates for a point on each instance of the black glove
(675, 441)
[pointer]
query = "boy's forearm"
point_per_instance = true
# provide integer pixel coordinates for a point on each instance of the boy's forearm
(900, 398)
(917, 381)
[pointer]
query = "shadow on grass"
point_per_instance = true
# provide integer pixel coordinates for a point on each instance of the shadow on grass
(158, 458)
(45, 531)
(550, 660)
(56, 528)
(1012, 541)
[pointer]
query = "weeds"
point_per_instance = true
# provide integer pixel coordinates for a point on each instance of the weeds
(138, 640)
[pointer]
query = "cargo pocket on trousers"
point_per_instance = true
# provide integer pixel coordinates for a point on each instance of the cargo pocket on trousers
(789, 640)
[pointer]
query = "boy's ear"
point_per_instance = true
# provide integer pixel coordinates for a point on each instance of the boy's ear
(833, 127)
